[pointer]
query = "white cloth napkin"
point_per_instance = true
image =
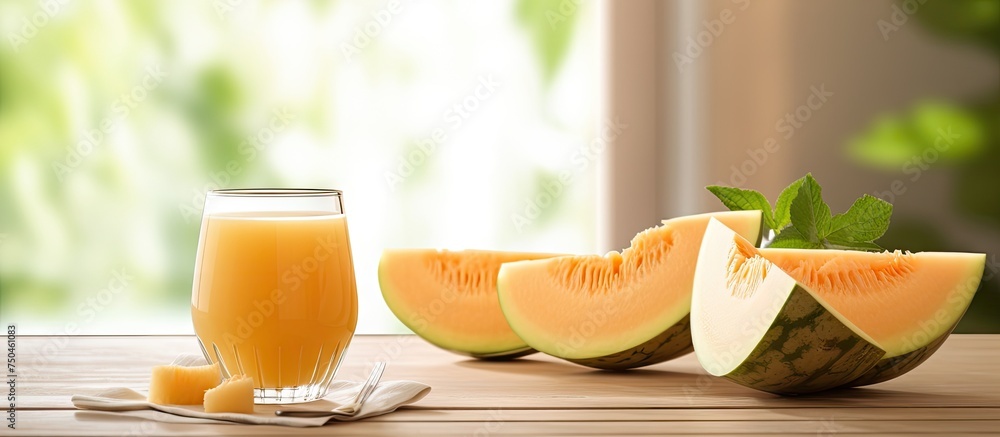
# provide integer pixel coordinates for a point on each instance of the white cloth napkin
(387, 397)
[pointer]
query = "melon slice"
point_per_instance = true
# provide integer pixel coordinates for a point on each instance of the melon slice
(449, 298)
(907, 302)
(616, 311)
(754, 324)
(234, 395)
(182, 385)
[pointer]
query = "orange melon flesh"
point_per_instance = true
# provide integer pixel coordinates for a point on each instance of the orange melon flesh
(902, 300)
(585, 307)
(755, 325)
(234, 395)
(181, 385)
(449, 298)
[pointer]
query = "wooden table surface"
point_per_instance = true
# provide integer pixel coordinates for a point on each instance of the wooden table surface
(956, 392)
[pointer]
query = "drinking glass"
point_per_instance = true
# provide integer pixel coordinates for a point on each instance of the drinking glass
(274, 295)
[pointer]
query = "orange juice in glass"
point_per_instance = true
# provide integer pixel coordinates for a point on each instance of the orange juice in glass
(274, 295)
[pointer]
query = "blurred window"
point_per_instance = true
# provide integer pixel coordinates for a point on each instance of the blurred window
(447, 124)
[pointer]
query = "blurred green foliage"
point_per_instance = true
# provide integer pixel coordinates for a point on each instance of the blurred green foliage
(963, 20)
(550, 24)
(132, 200)
(60, 86)
(960, 137)
(894, 141)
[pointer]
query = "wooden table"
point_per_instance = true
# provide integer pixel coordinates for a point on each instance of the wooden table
(955, 392)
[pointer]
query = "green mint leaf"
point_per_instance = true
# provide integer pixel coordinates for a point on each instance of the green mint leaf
(801, 220)
(737, 199)
(782, 213)
(789, 238)
(867, 220)
(810, 216)
(833, 243)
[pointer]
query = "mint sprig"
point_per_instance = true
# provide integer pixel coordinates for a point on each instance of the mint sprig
(782, 208)
(801, 219)
(738, 199)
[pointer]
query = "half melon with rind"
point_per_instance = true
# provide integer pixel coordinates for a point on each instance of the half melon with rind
(908, 302)
(449, 298)
(616, 311)
(756, 325)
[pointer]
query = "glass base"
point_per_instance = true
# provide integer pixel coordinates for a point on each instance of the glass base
(323, 371)
(289, 395)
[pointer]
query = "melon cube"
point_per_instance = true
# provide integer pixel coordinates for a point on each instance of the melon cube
(234, 395)
(181, 385)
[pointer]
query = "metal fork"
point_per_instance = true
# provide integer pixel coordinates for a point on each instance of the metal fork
(350, 408)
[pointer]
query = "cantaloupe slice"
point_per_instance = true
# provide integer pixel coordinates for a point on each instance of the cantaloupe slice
(616, 311)
(234, 395)
(907, 302)
(180, 385)
(795, 321)
(755, 325)
(449, 298)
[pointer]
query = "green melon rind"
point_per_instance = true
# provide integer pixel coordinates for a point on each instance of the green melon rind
(488, 354)
(498, 356)
(891, 368)
(804, 346)
(894, 367)
(806, 349)
(945, 319)
(674, 342)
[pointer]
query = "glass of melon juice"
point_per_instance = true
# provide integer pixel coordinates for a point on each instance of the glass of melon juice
(274, 296)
